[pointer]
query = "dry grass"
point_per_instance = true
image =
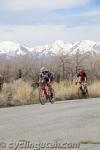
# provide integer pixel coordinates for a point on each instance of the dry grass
(3, 100)
(65, 90)
(68, 90)
(94, 89)
(89, 142)
(21, 93)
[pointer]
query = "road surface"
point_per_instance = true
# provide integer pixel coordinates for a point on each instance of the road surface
(62, 123)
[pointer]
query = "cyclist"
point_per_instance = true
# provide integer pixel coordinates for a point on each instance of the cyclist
(82, 78)
(46, 78)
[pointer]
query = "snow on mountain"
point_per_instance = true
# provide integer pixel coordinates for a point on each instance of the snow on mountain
(12, 49)
(84, 46)
(59, 47)
(56, 48)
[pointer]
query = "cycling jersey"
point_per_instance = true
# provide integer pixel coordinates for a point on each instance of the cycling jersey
(46, 78)
(82, 76)
(46, 75)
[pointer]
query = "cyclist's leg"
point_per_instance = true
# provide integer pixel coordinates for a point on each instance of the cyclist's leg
(80, 85)
(50, 89)
(82, 88)
(44, 89)
(86, 90)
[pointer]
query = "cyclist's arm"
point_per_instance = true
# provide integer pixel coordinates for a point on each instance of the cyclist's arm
(51, 77)
(85, 78)
(40, 78)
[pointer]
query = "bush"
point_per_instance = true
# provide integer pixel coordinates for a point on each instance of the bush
(19, 93)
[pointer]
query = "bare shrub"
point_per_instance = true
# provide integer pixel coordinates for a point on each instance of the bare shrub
(21, 92)
(3, 100)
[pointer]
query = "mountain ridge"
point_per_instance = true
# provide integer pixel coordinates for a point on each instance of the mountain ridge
(56, 48)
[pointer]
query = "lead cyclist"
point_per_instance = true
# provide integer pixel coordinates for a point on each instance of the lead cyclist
(46, 78)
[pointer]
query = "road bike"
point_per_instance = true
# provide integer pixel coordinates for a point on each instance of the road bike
(46, 95)
(82, 90)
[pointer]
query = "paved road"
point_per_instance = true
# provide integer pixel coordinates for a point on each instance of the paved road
(68, 121)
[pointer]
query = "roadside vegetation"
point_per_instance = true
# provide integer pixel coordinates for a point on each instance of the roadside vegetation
(19, 75)
(89, 142)
(20, 92)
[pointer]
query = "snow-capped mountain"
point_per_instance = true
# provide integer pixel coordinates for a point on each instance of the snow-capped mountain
(57, 48)
(12, 49)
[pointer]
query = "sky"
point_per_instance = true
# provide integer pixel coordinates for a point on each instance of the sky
(38, 22)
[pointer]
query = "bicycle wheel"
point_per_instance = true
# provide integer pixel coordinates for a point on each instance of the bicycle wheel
(52, 96)
(86, 91)
(42, 97)
(80, 94)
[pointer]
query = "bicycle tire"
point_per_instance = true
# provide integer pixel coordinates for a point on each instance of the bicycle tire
(52, 99)
(86, 91)
(80, 94)
(42, 97)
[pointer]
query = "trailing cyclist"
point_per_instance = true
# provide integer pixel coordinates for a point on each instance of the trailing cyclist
(82, 79)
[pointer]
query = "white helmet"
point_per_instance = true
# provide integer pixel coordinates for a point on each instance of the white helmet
(43, 69)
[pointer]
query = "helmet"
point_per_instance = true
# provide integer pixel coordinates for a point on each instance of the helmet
(43, 69)
(81, 70)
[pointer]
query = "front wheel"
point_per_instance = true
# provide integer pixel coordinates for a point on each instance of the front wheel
(86, 91)
(52, 97)
(82, 91)
(42, 97)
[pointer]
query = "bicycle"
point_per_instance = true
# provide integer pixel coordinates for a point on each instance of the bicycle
(82, 90)
(43, 97)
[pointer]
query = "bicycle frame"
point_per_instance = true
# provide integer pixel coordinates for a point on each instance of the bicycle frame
(45, 93)
(83, 89)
